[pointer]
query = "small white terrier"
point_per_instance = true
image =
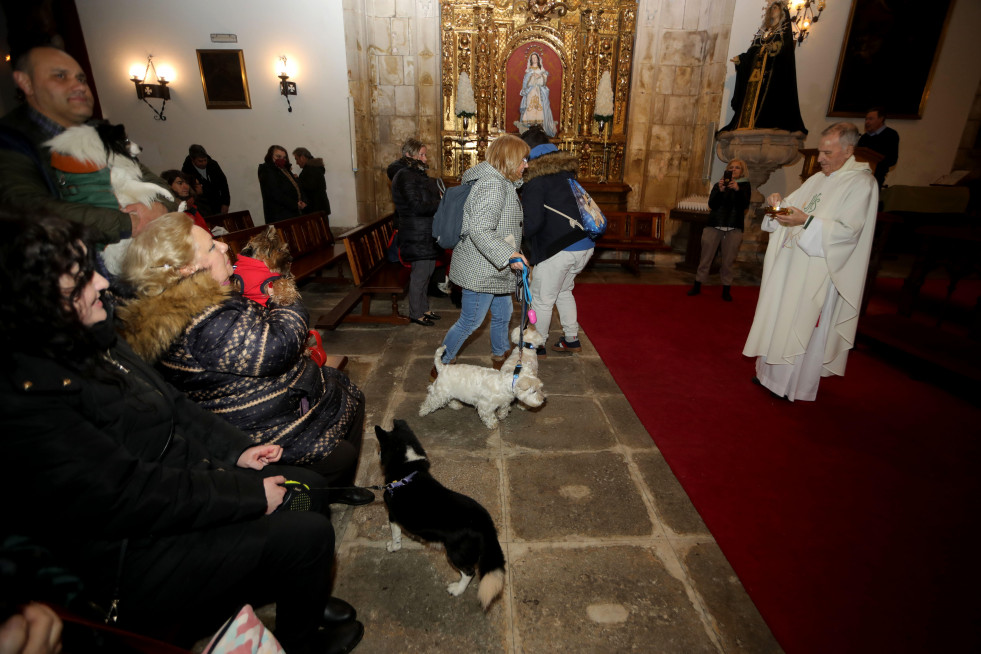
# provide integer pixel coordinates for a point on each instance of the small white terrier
(490, 391)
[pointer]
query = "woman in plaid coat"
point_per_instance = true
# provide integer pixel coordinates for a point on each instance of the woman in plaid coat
(490, 239)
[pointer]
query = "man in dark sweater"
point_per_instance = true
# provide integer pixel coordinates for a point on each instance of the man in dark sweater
(882, 139)
(200, 166)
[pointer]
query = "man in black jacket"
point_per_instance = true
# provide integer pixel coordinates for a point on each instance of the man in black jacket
(312, 179)
(200, 166)
(882, 139)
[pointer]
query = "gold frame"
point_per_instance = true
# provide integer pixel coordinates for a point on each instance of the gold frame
(221, 71)
(589, 37)
(895, 70)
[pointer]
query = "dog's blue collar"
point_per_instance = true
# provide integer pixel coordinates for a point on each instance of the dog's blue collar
(401, 482)
(530, 346)
(517, 371)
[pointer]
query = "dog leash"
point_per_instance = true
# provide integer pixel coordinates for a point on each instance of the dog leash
(526, 313)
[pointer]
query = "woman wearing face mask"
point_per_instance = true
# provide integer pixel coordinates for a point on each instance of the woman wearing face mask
(281, 194)
(149, 499)
(243, 361)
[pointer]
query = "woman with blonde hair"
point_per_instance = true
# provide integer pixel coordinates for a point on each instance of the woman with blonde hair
(241, 360)
(728, 202)
(489, 248)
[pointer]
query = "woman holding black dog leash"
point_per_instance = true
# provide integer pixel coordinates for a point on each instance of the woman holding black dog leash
(166, 512)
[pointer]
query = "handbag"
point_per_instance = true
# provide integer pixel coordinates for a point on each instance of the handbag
(591, 218)
(244, 634)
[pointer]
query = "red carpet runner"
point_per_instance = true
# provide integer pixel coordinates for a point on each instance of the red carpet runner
(851, 521)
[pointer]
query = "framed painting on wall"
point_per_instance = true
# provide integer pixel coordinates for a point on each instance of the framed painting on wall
(888, 57)
(223, 79)
(533, 88)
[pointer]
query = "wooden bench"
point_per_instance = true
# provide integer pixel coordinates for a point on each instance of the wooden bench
(310, 241)
(233, 221)
(633, 232)
(373, 273)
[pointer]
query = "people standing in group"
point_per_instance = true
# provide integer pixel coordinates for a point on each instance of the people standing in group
(882, 139)
(242, 360)
(56, 97)
(313, 180)
(416, 197)
(489, 251)
(814, 271)
(728, 203)
(282, 197)
(180, 184)
(557, 246)
(215, 197)
(165, 512)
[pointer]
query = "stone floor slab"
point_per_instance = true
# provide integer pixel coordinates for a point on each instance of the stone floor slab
(574, 497)
(672, 502)
(562, 423)
(612, 599)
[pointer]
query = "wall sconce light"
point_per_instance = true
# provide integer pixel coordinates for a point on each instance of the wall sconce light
(146, 89)
(286, 88)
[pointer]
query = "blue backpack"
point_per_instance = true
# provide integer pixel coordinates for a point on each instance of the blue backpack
(448, 219)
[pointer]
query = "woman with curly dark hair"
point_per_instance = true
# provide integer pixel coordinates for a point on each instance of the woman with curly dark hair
(165, 511)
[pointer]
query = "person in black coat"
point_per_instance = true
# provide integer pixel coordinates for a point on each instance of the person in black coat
(728, 203)
(416, 197)
(215, 197)
(281, 194)
(313, 180)
(882, 139)
(165, 512)
(557, 246)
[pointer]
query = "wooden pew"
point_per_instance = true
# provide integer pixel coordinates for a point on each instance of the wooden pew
(366, 247)
(633, 232)
(233, 221)
(310, 241)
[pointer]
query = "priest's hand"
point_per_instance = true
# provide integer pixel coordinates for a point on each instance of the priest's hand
(794, 219)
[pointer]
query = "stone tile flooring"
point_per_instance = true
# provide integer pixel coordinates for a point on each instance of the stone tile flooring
(605, 552)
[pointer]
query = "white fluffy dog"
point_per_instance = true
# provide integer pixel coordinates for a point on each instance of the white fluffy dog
(106, 146)
(529, 356)
(490, 391)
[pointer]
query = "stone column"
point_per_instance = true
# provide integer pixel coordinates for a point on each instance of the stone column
(763, 150)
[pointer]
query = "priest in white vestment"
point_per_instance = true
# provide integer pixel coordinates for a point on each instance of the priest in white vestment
(814, 271)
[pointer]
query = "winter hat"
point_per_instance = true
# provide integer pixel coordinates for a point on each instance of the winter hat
(539, 150)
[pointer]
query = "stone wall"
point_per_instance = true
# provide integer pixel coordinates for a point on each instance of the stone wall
(676, 95)
(392, 58)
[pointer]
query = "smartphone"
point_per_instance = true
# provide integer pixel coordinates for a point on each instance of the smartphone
(727, 176)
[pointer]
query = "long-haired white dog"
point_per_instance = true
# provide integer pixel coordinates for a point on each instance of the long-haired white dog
(107, 146)
(490, 391)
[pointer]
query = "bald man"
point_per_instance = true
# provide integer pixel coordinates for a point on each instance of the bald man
(56, 96)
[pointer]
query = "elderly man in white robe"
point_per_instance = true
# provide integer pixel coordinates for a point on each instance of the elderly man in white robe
(814, 271)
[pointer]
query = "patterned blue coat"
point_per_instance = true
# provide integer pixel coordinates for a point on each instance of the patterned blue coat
(492, 222)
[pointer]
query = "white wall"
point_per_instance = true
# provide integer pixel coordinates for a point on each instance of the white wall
(927, 146)
(309, 32)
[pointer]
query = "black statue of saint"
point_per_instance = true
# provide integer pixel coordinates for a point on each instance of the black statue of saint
(765, 95)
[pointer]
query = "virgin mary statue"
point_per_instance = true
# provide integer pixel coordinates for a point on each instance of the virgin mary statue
(535, 108)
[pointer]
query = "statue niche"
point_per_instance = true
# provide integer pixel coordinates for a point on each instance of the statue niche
(534, 76)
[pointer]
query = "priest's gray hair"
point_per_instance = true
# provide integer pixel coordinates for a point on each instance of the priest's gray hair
(846, 132)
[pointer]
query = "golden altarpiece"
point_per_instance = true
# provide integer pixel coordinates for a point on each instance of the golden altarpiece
(498, 42)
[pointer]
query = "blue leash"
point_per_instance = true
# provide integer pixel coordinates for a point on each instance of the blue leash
(526, 314)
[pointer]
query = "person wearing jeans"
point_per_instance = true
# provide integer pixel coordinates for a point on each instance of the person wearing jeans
(490, 247)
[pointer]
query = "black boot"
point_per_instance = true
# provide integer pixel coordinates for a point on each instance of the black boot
(696, 289)
(726, 295)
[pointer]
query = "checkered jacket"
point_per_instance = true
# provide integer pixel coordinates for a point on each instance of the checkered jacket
(492, 220)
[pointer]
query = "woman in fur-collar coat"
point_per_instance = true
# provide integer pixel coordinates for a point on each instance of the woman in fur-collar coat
(559, 249)
(243, 361)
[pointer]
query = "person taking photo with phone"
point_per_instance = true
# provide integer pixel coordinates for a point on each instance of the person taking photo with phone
(728, 202)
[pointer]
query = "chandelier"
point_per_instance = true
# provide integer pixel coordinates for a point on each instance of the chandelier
(803, 16)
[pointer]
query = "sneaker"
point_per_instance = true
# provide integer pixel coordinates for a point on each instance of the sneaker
(567, 346)
(541, 351)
